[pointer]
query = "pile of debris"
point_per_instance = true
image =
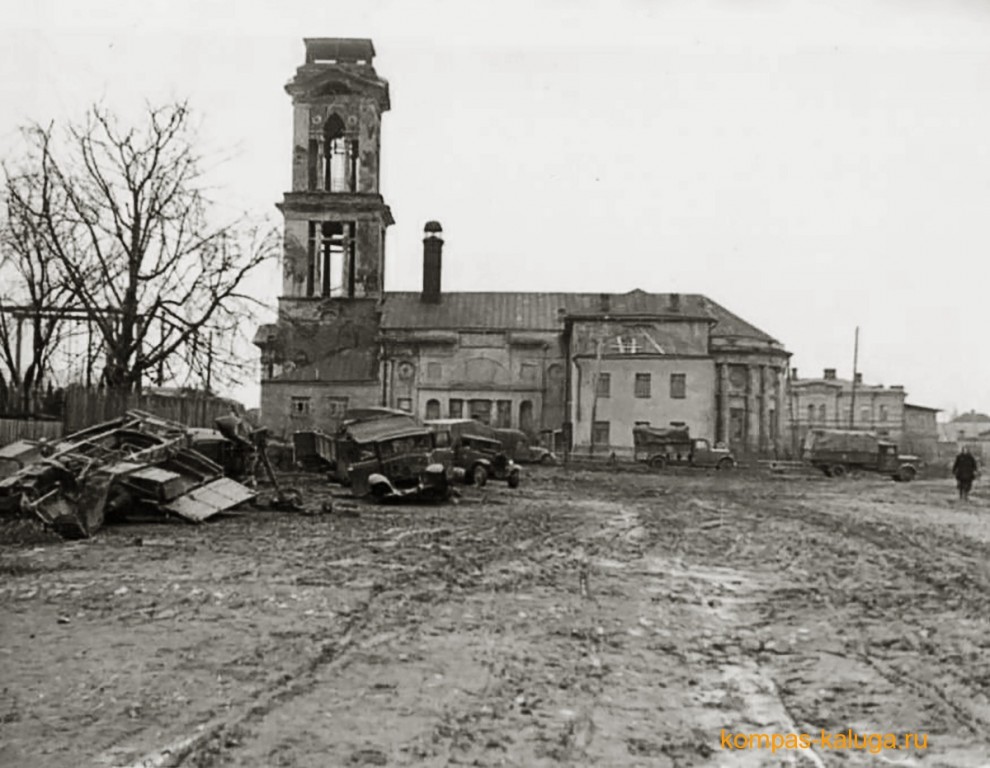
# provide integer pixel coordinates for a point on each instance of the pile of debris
(139, 463)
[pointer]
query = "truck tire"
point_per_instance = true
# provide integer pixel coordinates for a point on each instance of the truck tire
(658, 462)
(725, 464)
(838, 470)
(479, 476)
(906, 474)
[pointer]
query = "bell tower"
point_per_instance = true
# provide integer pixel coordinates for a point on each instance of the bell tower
(335, 217)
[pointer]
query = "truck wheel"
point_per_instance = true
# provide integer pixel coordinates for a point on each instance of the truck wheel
(906, 474)
(479, 476)
(514, 480)
(725, 464)
(658, 462)
(838, 470)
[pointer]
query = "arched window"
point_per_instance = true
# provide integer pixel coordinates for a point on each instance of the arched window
(526, 416)
(339, 157)
(811, 414)
(821, 413)
(432, 409)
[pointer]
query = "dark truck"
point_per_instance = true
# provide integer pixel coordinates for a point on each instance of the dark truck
(475, 449)
(836, 452)
(663, 446)
(380, 452)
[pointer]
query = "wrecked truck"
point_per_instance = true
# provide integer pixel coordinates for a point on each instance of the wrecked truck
(138, 463)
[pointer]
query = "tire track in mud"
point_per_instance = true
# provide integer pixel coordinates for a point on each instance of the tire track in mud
(425, 557)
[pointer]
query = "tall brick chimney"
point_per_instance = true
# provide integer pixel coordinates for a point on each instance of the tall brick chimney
(432, 261)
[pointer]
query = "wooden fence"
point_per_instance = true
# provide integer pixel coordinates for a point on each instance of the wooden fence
(12, 430)
(85, 407)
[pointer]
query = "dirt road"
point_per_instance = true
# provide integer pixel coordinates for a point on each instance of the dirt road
(586, 619)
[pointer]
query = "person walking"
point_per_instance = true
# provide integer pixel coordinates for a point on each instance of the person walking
(964, 468)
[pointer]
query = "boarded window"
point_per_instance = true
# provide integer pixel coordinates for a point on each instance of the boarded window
(433, 409)
(678, 385)
(643, 385)
(604, 385)
(456, 408)
(299, 406)
(503, 416)
(600, 433)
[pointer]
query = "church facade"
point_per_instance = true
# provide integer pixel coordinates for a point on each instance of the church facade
(574, 370)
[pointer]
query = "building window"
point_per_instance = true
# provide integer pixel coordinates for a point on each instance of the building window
(821, 413)
(481, 410)
(883, 413)
(642, 386)
(299, 407)
(526, 415)
(811, 414)
(600, 433)
(503, 416)
(865, 414)
(405, 404)
(626, 345)
(433, 371)
(336, 406)
(604, 388)
(455, 408)
(773, 426)
(678, 385)
(433, 409)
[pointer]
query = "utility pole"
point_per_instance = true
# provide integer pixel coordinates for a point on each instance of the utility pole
(852, 402)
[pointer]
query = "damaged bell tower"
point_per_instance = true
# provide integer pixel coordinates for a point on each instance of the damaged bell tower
(322, 355)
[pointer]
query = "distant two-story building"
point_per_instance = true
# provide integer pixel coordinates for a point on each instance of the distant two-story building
(831, 402)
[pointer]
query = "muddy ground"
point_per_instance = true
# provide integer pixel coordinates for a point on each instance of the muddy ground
(587, 619)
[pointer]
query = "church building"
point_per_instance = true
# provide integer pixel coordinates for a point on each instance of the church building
(580, 369)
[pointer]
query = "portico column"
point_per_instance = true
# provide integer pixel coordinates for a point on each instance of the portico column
(722, 427)
(765, 436)
(753, 409)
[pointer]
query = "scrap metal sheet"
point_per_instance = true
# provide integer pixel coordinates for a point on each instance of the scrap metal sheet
(209, 499)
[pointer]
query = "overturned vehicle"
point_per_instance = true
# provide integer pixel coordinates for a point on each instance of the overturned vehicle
(138, 463)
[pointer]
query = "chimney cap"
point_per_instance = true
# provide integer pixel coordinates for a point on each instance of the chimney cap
(432, 228)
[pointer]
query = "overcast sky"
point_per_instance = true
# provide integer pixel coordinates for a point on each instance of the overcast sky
(812, 165)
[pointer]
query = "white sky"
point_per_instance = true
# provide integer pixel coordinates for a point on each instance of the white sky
(813, 165)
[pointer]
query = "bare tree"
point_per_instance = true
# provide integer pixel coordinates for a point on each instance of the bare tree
(124, 212)
(31, 294)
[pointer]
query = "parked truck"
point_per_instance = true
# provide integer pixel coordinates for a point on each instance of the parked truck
(836, 452)
(663, 446)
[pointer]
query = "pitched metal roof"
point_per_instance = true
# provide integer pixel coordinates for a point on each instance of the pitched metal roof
(490, 311)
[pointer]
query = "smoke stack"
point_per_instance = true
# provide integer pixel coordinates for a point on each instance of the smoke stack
(432, 261)
(859, 378)
(794, 376)
(829, 374)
